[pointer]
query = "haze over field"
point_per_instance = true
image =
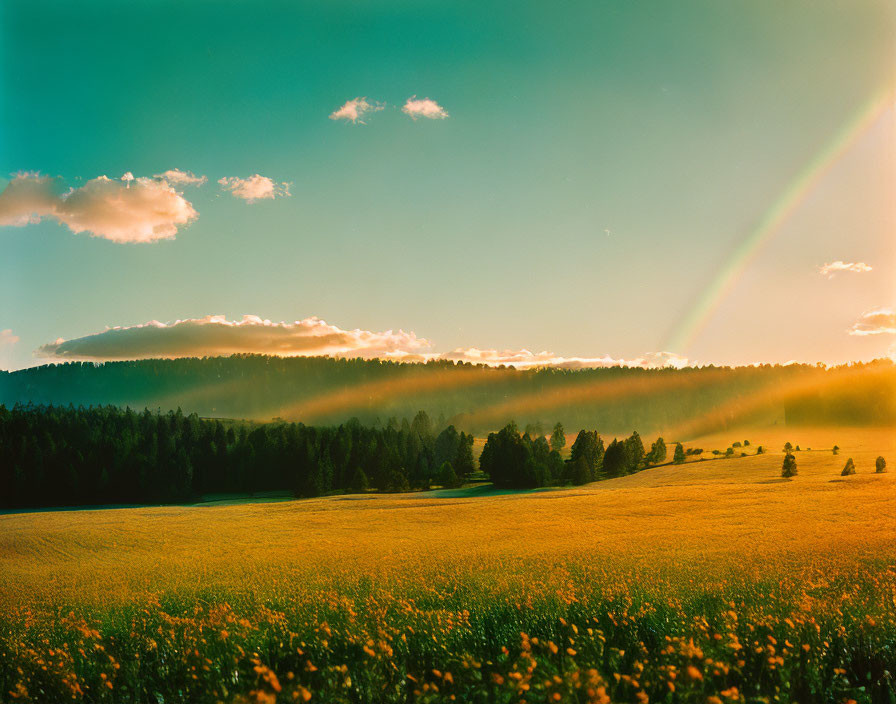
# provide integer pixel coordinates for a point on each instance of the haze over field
(616, 183)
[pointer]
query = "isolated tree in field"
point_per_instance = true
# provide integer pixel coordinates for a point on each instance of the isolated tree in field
(850, 468)
(558, 438)
(880, 465)
(746, 443)
(788, 447)
(836, 449)
(788, 469)
(760, 450)
(678, 456)
(657, 452)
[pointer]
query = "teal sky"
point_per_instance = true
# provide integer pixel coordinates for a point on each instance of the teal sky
(674, 126)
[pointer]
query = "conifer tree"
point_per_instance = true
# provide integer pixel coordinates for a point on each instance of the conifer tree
(788, 468)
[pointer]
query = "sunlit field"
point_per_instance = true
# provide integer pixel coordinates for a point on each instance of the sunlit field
(712, 581)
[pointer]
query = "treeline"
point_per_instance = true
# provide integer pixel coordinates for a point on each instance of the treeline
(477, 399)
(515, 460)
(56, 456)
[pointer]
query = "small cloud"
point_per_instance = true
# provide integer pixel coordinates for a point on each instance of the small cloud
(126, 210)
(833, 267)
(424, 107)
(181, 178)
(355, 110)
(881, 321)
(7, 339)
(254, 188)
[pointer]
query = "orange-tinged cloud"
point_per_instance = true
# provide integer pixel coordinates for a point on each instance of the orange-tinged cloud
(122, 210)
(424, 107)
(254, 188)
(215, 336)
(355, 110)
(880, 321)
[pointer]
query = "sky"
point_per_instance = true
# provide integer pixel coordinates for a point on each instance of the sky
(579, 183)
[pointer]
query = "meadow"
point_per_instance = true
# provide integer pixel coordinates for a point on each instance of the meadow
(713, 581)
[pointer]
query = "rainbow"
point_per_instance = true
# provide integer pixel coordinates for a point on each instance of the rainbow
(698, 316)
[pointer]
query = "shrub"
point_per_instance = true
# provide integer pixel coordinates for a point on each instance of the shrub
(880, 465)
(850, 468)
(836, 449)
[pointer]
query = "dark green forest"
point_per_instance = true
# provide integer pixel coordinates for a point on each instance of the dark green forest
(477, 399)
(55, 456)
(58, 456)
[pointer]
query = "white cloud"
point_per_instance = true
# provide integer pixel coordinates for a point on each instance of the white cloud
(524, 359)
(126, 210)
(354, 110)
(254, 188)
(181, 178)
(215, 336)
(881, 321)
(832, 268)
(424, 107)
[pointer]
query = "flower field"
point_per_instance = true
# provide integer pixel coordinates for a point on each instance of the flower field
(713, 581)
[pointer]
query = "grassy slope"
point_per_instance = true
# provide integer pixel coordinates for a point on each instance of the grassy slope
(671, 532)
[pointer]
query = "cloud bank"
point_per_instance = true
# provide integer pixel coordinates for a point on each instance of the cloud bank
(524, 359)
(834, 267)
(125, 210)
(424, 107)
(254, 188)
(354, 110)
(214, 335)
(881, 321)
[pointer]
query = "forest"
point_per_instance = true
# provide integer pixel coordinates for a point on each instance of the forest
(58, 456)
(475, 398)
(53, 456)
